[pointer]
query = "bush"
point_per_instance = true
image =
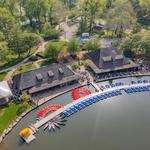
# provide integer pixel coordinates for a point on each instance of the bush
(33, 58)
(25, 97)
(21, 109)
(75, 66)
(85, 63)
(49, 32)
(73, 47)
(91, 45)
(52, 51)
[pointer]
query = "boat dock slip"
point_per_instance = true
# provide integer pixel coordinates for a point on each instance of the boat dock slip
(95, 86)
(61, 110)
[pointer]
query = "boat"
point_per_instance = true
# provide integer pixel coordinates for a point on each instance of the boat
(50, 126)
(53, 127)
(46, 126)
(63, 120)
(57, 125)
(61, 124)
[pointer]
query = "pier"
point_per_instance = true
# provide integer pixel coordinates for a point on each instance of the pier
(58, 112)
(95, 86)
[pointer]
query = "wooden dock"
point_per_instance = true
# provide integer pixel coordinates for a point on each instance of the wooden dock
(58, 112)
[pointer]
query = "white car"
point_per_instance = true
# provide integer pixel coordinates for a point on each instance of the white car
(84, 38)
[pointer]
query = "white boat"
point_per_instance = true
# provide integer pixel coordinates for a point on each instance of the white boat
(57, 125)
(53, 126)
(46, 126)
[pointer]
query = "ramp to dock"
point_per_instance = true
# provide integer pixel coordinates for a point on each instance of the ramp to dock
(95, 86)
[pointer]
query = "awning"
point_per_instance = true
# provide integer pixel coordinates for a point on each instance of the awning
(4, 90)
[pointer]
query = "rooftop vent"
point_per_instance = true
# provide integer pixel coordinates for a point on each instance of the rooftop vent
(50, 73)
(39, 77)
(61, 71)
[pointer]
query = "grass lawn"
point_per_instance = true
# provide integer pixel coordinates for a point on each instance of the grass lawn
(12, 59)
(2, 76)
(8, 114)
(46, 62)
(24, 68)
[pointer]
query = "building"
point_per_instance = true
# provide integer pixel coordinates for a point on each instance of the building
(48, 77)
(108, 60)
(5, 93)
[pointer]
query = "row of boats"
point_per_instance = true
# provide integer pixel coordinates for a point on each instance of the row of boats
(108, 86)
(70, 111)
(54, 123)
(136, 89)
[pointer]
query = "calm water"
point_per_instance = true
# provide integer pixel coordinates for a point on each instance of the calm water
(120, 123)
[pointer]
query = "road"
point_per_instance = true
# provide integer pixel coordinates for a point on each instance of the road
(69, 31)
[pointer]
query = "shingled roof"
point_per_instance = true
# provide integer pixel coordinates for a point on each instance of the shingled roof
(107, 59)
(41, 76)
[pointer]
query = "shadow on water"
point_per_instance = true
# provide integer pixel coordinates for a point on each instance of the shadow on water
(2, 146)
(21, 142)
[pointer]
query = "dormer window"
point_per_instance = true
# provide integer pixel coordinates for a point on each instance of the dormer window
(50, 73)
(39, 77)
(61, 71)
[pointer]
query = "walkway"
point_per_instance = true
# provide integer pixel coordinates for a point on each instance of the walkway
(95, 86)
(58, 112)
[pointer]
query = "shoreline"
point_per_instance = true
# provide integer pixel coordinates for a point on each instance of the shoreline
(48, 98)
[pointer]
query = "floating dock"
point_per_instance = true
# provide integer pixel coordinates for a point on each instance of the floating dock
(37, 125)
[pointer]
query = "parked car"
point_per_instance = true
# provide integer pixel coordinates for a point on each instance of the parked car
(84, 38)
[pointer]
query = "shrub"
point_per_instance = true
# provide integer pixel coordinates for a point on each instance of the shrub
(52, 51)
(75, 66)
(85, 63)
(33, 58)
(91, 45)
(73, 47)
(25, 97)
(21, 109)
(49, 32)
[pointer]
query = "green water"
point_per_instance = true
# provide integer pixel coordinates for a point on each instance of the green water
(119, 123)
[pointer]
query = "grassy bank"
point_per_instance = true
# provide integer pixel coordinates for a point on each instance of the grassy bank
(24, 68)
(8, 114)
(2, 76)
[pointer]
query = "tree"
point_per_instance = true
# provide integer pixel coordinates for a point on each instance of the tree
(91, 45)
(25, 97)
(73, 47)
(29, 40)
(52, 51)
(145, 48)
(3, 51)
(36, 9)
(89, 10)
(120, 17)
(145, 6)
(7, 22)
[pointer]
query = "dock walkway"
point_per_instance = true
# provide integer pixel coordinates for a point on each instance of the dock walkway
(58, 112)
(95, 86)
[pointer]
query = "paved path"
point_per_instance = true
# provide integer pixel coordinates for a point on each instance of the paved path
(69, 31)
(56, 113)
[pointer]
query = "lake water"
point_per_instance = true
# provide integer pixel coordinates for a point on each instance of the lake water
(118, 123)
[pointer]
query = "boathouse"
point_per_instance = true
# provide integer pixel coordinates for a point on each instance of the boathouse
(108, 60)
(48, 77)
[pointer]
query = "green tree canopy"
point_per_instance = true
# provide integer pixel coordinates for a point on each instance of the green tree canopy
(73, 46)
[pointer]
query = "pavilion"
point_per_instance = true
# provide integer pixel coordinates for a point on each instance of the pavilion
(109, 60)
